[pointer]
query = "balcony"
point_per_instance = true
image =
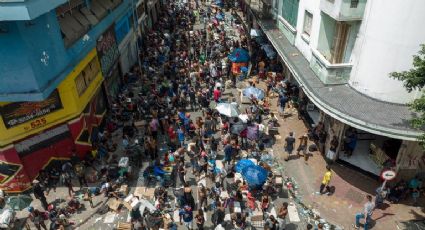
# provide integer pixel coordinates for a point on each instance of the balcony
(329, 74)
(344, 10)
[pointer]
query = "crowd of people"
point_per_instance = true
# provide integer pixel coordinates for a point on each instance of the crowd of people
(185, 70)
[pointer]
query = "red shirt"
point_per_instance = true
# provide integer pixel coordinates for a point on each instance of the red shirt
(217, 94)
(171, 133)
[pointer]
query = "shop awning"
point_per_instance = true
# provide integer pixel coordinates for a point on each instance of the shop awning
(98, 10)
(341, 101)
(90, 16)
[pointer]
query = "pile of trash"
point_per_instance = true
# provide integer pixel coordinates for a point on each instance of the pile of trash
(311, 215)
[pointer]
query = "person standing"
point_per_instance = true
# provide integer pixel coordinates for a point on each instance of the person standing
(80, 170)
(39, 193)
(289, 145)
(281, 215)
(282, 104)
(302, 147)
(217, 94)
(186, 215)
(326, 180)
(200, 220)
(367, 214)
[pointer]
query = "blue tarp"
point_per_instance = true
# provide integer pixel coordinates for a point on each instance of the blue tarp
(239, 55)
(254, 175)
(220, 16)
(219, 3)
(242, 164)
(256, 92)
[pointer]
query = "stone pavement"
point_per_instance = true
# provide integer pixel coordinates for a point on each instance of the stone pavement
(350, 185)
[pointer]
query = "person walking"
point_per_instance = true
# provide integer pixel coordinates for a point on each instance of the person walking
(39, 193)
(186, 215)
(200, 219)
(302, 147)
(366, 214)
(326, 180)
(289, 145)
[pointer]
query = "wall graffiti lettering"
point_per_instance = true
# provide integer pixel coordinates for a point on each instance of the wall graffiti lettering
(107, 50)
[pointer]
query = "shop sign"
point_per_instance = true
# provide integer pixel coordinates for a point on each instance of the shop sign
(20, 112)
(388, 175)
(107, 49)
(42, 140)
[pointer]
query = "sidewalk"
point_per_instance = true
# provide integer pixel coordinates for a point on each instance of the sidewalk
(351, 186)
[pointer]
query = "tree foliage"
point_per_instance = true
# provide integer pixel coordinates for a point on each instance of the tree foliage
(414, 79)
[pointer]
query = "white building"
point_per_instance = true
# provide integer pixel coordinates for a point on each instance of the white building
(341, 53)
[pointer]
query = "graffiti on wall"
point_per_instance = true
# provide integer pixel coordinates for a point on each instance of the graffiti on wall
(107, 50)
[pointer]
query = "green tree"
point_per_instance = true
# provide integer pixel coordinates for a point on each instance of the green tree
(414, 79)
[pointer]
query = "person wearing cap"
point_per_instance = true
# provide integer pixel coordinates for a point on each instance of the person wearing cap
(39, 193)
(186, 215)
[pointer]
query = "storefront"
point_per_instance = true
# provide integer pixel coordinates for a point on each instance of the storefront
(108, 53)
(40, 135)
(126, 39)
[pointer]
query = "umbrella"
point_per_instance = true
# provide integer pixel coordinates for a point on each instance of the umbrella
(238, 127)
(19, 202)
(254, 175)
(256, 92)
(227, 109)
(244, 118)
(239, 55)
(242, 164)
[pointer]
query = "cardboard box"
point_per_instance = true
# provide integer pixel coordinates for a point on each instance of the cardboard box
(124, 226)
(139, 191)
(114, 204)
(124, 189)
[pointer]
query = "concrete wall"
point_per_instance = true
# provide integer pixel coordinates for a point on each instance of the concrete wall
(302, 42)
(35, 61)
(389, 36)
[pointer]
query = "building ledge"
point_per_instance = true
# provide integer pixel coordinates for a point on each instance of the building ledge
(341, 101)
(16, 10)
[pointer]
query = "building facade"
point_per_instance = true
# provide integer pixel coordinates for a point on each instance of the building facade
(341, 53)
(62, 64)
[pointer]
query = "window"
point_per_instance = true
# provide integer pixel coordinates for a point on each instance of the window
(354, 3)
(290, 11)
(308, 20)
(85, 78)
